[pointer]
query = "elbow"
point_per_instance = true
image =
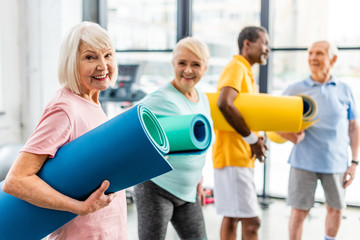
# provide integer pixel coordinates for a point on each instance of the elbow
(223, 106)
(7, 186)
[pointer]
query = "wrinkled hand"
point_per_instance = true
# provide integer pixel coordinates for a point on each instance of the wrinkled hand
(97, 200)
(201, 194)
(258, 149)
(349, 175)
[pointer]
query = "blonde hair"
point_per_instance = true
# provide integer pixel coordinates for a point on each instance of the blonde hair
(88, 34)
(196, 46)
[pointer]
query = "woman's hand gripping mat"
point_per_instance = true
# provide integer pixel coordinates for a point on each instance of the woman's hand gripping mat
(125, 150)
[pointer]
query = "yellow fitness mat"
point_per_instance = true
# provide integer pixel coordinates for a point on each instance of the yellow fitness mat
(264, 112)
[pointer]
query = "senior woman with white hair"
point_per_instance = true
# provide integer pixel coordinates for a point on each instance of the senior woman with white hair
(87, 65)
(177, 196)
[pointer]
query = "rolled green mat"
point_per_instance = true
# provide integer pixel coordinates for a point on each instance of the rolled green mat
(187, 133)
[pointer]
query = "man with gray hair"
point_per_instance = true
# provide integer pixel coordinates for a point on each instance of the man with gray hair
(321, 151)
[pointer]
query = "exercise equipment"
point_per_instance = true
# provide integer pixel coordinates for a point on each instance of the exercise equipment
(125, 150)
(187, 134)
(264, 112)
(276, 138)
(309, 111)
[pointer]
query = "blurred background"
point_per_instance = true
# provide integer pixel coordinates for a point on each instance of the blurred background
(144, 33)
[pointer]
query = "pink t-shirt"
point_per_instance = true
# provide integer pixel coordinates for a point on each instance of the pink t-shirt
(66, 117)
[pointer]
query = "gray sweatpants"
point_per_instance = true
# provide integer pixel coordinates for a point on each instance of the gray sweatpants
(156, 207)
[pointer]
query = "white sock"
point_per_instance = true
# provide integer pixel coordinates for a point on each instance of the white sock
(329, 238)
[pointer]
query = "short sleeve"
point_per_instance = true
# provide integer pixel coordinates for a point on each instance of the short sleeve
(352, 113)
(52, 132)
(232, 77)
(161, 104)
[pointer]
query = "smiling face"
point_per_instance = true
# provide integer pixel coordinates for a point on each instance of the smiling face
(96, 68)
(188, 69)
(259, 50)
(320, 62)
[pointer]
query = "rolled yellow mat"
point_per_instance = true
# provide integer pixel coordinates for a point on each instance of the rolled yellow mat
(264, 112)
(274, 137)
(309, 111)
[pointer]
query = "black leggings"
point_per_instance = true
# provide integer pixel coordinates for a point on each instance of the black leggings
(156, 207)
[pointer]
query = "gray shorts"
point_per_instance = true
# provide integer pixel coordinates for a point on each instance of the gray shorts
(302, 185)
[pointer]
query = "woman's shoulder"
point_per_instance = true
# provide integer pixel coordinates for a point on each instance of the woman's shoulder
(63, 100)
(163, 101)
(203, 99)
(164, 93)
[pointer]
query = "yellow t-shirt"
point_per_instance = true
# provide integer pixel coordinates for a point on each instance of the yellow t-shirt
(229, 148)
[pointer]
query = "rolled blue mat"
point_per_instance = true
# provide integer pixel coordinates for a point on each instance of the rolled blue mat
(125, 150)
(187, 134)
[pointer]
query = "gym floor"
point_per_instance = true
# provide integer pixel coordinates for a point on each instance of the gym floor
(274, 220)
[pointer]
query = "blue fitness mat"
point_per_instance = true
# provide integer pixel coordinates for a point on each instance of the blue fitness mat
(187, 134)
(125, 150)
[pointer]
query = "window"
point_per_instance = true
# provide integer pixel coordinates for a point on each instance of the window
(218, 24)
(144, 34)
(299, 23)
(142, 24)
(295, 25)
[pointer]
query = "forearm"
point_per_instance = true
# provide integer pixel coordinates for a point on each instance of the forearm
(287, 135)
(354, 134)
(235, 119)
(230, 112)
(37, 192)
(293, 136)
(23, 182)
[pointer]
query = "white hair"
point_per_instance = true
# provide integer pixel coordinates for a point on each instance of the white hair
(85, 33)
(199, 48)
(332, 50)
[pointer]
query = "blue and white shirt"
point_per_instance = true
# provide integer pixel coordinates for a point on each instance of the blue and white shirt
(326, 144)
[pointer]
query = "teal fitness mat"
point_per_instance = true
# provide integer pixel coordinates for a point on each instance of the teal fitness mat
(126, 150)
(187, 134)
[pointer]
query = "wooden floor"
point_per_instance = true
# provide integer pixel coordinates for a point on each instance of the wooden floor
(274, 223)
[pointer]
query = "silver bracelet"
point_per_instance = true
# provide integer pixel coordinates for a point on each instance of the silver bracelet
(251, 139)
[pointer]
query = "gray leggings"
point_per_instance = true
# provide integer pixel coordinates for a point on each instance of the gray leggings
(156, 207)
